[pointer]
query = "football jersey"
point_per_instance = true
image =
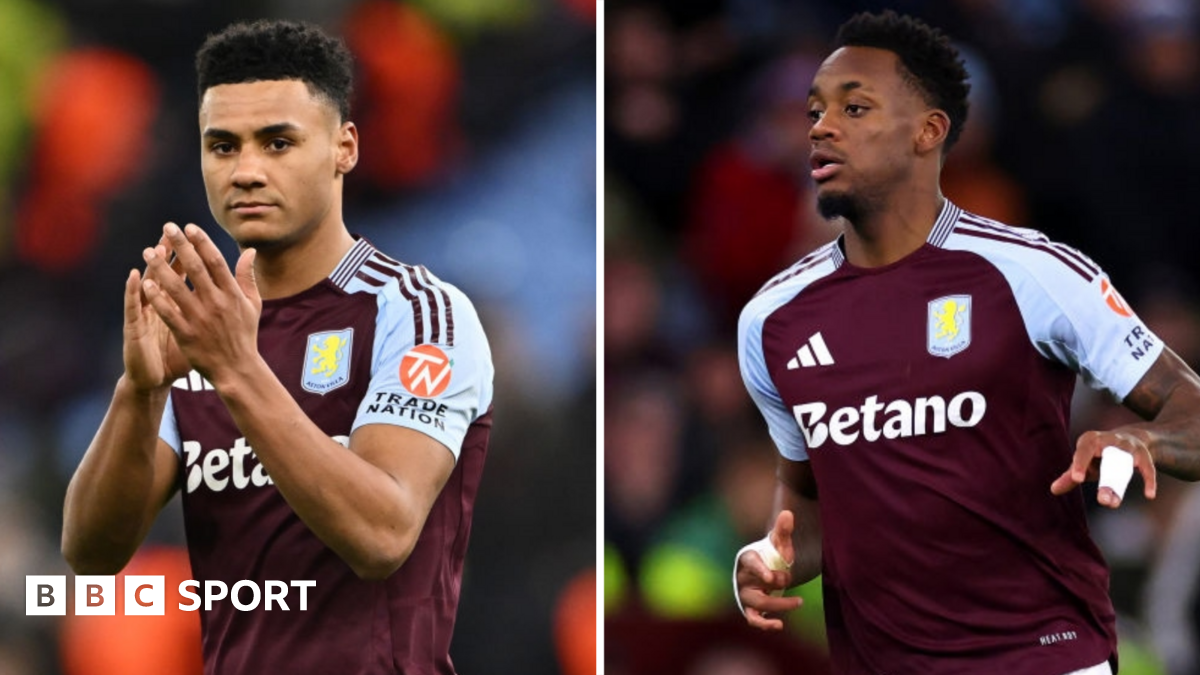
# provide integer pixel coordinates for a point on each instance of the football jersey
(377, 342)
(932, 398)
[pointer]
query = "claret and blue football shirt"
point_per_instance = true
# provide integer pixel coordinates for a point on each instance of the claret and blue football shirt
(932, 397)
(377, 342)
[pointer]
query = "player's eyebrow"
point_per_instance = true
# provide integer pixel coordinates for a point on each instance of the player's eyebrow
(844, 87)
(269, 130)
(219, 135)
(276, 129)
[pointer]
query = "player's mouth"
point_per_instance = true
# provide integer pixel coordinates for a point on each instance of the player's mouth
(249, 208)
(824, 165)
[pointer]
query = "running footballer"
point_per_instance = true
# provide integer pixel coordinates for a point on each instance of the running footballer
(916, 376)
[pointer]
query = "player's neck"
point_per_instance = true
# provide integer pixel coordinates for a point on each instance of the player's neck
(288, 270)
(895, 231)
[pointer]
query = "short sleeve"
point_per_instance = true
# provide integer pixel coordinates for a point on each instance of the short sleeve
(439, 388)
(1072, 312)
(784, 430)
(168, 429)
(1097, 334)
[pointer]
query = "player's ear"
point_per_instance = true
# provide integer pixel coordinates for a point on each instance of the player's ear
(347, 147)
(931, 136)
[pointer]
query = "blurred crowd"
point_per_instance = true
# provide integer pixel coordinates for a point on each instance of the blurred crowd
(478, 160)
(1083, 124)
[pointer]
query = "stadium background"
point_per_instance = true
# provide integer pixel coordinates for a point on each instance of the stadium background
(478, 156)
(1083, 124)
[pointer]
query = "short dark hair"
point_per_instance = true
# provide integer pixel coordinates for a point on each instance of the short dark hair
(930, 63)
(278, 50)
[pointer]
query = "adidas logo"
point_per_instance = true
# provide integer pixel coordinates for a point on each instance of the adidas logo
(193, 381)
(813, 353)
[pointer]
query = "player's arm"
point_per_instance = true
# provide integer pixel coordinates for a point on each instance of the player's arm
(1168, 397)
(127, 473)
(796, 535)
(368, 503)
(796, 491)
(123, 481)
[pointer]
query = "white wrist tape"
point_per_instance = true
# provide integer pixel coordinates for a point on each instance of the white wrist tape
(769, 554)
(1116, 468)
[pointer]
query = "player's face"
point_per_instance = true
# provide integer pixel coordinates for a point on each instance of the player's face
(865, 120)
(273, 155)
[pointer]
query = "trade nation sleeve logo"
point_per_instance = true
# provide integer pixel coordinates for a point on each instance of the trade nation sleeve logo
(425, 371)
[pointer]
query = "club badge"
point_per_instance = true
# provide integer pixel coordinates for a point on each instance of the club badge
(949, 325)
(327, 361)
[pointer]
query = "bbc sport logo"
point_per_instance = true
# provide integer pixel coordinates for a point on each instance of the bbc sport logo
(145, 595)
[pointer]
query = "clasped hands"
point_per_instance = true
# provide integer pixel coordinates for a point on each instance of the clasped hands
(171, 328)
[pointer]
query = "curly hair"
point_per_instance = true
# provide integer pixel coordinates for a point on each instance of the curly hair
(930, 64)
(278, 50)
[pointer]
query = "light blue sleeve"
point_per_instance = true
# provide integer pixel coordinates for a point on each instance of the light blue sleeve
(1077, 319)
(1100, 336)
(436, 389)
(168, 429)
(781, 424)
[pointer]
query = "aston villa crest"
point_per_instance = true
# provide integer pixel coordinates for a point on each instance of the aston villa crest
(949, 325)
(327, 361)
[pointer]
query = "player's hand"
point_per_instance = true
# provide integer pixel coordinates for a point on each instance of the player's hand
(756, 583)
(215, 325)
(151, 355)
(1085, 465)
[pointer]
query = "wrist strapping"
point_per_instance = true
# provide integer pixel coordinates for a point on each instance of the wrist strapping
(769, 554)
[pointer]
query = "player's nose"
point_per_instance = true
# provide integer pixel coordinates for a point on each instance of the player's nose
(248, 171)
(821, 129)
